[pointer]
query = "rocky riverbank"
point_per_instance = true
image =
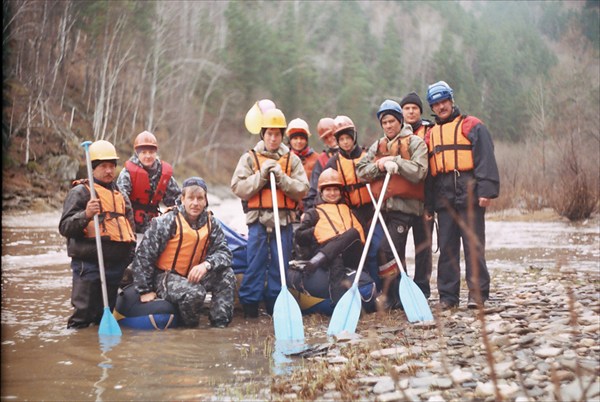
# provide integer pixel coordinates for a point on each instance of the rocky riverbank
(542, 344)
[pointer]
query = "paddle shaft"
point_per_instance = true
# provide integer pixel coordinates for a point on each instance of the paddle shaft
(86, 146)
(387, 233)
(277, 229)
(363, 257)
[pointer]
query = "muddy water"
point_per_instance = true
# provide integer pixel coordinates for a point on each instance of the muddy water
(41, 359)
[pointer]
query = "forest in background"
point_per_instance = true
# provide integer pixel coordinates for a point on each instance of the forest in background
(190, 70)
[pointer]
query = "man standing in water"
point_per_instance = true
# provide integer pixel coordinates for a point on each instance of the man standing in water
(183, 255)
(118, 238)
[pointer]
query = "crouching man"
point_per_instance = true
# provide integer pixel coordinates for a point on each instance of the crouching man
(183, 255)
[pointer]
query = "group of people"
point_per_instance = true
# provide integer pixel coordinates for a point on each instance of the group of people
(324, 205)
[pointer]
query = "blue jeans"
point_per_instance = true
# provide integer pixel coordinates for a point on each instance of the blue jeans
(263, 263)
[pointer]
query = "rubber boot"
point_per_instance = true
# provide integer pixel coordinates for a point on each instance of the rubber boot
(269, 306)
(250, 310)
(315, 262)
(86, 298)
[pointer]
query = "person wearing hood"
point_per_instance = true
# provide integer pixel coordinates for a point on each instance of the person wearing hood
(147, 181)
(183, 255)
(464, 178)
(251, 183)
(403, 155)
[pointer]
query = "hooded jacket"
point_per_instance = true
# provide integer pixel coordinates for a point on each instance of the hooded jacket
(246, 182)
(413, 169)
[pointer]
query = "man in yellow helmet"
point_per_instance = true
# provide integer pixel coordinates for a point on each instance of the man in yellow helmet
(117, 234)
(251, 182)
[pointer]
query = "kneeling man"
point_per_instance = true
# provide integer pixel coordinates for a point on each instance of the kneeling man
(183, 255)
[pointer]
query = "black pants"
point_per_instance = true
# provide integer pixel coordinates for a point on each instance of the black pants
(422, 230)
(86, 298)
(476, 272)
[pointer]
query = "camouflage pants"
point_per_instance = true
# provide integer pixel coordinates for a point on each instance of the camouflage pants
(189, 297)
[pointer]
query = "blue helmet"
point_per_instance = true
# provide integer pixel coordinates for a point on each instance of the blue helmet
(390, 107)
(438, 92)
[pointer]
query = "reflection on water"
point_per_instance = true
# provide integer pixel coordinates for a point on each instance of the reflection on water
(43, 360)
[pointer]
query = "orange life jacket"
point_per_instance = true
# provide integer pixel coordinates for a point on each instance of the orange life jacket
(398, 186)
(421, 131)
(335, 219)
(355, 191)
(141, 197)
(449, 148)
(114, 225)
(262, 199)
(186, 249)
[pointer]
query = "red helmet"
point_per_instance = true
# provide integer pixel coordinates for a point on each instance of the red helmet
(145, 139)
(326, 126)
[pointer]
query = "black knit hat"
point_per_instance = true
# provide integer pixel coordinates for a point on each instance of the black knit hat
(412, 98)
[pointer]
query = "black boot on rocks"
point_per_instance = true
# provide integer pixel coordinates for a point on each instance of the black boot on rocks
(250, 310)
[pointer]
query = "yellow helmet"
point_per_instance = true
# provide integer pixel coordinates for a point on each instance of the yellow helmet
(273, 118)
(297, 126)
(103, 151)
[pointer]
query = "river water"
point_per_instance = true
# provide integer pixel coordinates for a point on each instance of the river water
(42, 360)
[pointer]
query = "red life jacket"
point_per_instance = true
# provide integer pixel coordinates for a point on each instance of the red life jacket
(186, 249)
(398, 186)
(143, 201)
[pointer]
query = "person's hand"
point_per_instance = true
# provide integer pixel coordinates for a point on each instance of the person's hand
(484, 202)
(428, 216)
(278, 172)
(198, 271)
(391, 167)
(92, 208)
(381, 163)
(266, 167)
(148, 297)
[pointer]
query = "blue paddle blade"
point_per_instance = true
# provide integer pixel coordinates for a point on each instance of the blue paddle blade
(413, 300)
(109, 324)
(287, 318)
(346, 313)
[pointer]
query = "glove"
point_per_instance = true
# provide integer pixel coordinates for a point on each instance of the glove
(278, 172)
(266, 168)
(391, 167)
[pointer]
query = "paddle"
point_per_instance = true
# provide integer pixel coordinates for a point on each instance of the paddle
(108, 324)
(287, 317)
(347, 311)
(413, 300)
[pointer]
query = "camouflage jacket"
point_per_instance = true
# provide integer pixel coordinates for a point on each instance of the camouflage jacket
(161, 230)
(125, 187)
